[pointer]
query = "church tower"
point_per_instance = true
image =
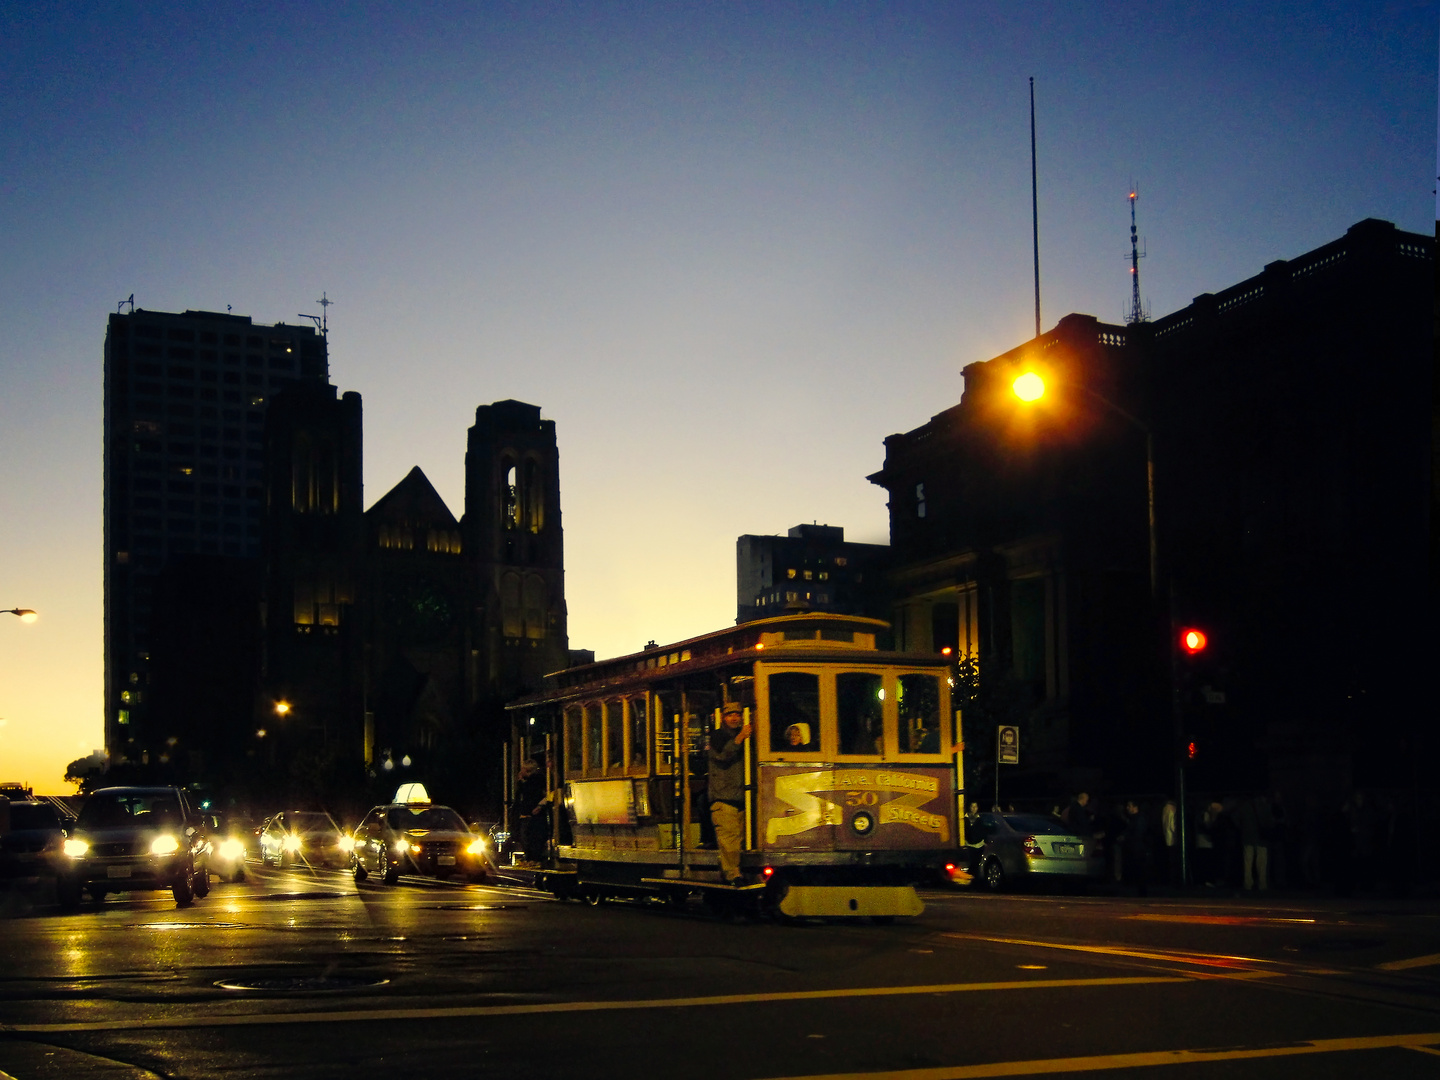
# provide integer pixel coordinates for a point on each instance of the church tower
(515, 551)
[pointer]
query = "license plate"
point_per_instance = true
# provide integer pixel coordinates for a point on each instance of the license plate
(117, 871)
(445, 860)
(1067, 849)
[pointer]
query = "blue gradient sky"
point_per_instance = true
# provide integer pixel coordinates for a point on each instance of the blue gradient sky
(728, 248)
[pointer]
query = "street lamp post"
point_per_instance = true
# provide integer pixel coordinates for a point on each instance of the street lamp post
(1030, 386)
(26, 615)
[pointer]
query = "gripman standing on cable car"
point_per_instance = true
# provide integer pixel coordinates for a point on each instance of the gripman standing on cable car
(727, 788)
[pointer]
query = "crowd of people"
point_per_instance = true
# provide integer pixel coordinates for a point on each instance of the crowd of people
(1254, 843)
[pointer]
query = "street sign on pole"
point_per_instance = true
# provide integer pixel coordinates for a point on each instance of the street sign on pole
(1007, 745)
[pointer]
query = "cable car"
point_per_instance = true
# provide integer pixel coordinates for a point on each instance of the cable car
(852, 772)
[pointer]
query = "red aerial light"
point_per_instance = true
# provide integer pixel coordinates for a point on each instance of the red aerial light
(1193, 641)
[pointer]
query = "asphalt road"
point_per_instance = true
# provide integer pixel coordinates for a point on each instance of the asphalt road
(304, 974)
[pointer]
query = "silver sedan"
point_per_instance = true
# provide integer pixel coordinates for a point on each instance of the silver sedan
(1011, 847)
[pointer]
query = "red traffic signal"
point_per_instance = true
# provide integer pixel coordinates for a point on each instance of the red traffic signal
(1191, 750)
(1193, 641)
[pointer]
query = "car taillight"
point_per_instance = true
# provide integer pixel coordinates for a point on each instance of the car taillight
(1032, 848)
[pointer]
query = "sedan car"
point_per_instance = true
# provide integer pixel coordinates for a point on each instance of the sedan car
(31, 841)
(1012, 847)
(135, 838)
(228, 847)
(417, 838)
(310, 837)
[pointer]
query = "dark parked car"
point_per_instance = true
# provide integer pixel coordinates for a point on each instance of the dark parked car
(133, 838)
(417, 838)
(31, 841)
(1013, 847)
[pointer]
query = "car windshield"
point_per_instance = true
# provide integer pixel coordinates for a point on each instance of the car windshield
(1038, 824)
(139, 808)
(306, 821)
(424, 817)
(33, 817)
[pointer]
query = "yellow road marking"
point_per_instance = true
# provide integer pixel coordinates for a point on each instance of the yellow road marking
(1234, 963)
(1220, 920)
(466, 1011)
(1148, 1059)
(1414, 962)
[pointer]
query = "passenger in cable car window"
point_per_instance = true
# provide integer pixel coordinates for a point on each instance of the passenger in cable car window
(797, 737)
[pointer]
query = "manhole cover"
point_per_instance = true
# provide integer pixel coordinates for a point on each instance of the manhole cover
(303, 896)
(1335, 945)
(302, 984)
(188, 926)
(471, 907)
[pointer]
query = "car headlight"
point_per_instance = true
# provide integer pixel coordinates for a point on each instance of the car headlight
(477, 847)
(291, 843)
(164, 845)
(232, 849)
(76, 849)
(347, 844)
(402, 846)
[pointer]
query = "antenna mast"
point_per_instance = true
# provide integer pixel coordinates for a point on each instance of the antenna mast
(1034, 206)
(321, 321)
(1138, 314)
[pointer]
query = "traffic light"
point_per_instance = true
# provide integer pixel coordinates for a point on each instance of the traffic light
(1193, 641)
(1191, 750)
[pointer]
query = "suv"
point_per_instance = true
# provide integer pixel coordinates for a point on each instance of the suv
(30, 840)
(132, 838)
(416, 837)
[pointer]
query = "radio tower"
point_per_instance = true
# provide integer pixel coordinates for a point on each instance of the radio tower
(1137, 313)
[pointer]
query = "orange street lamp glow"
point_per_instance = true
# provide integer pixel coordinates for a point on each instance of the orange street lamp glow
(1028, 387)
(26, 615)
(281, 708)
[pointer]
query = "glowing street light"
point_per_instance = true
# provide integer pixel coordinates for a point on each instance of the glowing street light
(1028, 387)
(282, 708)
(26, 615)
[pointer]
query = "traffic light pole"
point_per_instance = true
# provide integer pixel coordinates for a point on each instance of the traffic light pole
(1177, 714)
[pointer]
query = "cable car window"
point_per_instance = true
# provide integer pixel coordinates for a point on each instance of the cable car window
(574, 761)
(794, 712)
(639, 733)
(594, 738)
(667, 706)
(614, 735)
(918, 701)
(860, 702)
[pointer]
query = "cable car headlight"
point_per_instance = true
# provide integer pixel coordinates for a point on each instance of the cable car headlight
(347, 844)
(291, 842)
(164, 845)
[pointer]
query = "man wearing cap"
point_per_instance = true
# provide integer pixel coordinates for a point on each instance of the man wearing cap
(727, 788)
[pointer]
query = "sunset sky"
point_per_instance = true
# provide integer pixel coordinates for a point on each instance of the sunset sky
(726, 247)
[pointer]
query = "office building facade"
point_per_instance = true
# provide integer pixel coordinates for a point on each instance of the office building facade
(185, 403)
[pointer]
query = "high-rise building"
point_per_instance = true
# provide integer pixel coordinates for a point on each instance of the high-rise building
(185, 403)
(812, 568)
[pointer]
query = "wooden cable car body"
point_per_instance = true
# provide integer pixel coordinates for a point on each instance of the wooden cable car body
(852, 792)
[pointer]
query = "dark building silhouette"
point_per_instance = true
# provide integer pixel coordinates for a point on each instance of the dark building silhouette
(516, 551)
(185, 402)
(310, 697)
(1290, 453)
(810, 569)
(263, 630)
